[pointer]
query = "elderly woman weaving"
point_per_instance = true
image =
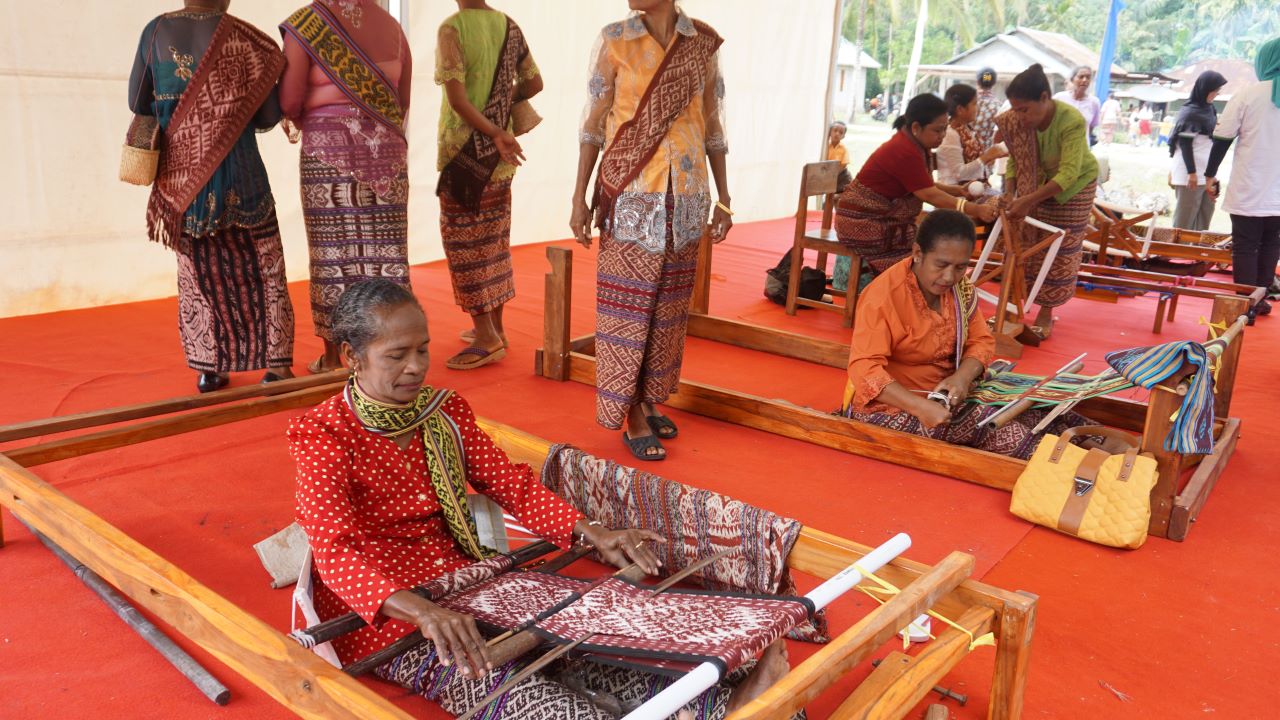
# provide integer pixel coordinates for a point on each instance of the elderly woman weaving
(382, 475)
(918, 336)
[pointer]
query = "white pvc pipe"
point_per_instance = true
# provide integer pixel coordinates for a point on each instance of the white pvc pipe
(1044, 272)
(700, 679)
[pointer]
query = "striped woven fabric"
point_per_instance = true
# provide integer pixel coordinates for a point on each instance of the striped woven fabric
(1192, 430)
(1004, 388)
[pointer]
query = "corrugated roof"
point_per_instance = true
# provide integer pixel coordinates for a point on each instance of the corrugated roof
(845, 57)
(1238, 73)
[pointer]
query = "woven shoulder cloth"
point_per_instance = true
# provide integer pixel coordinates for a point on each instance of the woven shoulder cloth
(678, 80)
(467, 174)
(235, 76)
(1192, 430)
(1024, 153)
(346, 65)
(445, 457)
(966, 305)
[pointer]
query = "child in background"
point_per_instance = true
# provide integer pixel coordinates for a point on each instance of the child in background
(837, 151)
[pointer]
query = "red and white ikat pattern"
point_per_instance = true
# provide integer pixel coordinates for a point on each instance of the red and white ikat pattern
(508, 600)
(373, 519)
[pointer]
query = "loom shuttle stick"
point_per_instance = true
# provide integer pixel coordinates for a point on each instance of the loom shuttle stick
(691, 569)
(697, 681)
(1024, 402)
(190, 668)
(519, 677)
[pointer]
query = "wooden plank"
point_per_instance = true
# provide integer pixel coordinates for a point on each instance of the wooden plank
(1160, 407)
(854, 645)
(1225, 312)
(94, 418)
(1013, 656)
(1124, 282)
(165, 427)
(1117, 412)
(296, 677)
(700, 302)
(584, 344)
(555, 316)
(782, 418)
(1189, 503)
(770, 340)
(905, 684)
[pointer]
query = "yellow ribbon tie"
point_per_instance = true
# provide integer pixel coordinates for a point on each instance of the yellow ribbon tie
(889, 589)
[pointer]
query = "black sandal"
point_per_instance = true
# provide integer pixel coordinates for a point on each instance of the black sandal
(639, 445)
(662, 426)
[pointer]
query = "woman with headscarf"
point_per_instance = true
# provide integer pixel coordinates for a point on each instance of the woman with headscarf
(1253, 196)
(1189, 145)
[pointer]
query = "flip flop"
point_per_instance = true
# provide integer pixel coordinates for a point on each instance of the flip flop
(469, 335)
(639, 445)
(316, 367)
(662, 426)
(486, 357)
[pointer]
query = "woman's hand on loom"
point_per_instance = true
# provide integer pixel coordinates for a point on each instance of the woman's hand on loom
(1019, 208)
(509, 148)
(955, 387)
(456, 639)
(985, 213)
(622, 547)
(932, 414)
(580, 222)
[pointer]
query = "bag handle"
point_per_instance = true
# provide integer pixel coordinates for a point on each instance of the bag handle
(1119, 436)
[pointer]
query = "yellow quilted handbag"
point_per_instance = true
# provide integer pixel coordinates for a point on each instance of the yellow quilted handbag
(1091, 494)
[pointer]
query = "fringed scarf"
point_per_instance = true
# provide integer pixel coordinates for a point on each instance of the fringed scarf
(231, 81)
(1192, 431)
(675, 84)
(468, 173)
(1024, 153)
(442, 442)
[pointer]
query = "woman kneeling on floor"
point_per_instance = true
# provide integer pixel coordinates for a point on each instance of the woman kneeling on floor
(919, 331)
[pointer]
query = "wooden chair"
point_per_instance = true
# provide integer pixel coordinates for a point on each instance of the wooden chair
(820, 179)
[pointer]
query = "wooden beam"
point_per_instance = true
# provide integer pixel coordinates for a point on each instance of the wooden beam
(770, 340)
(294, 676)
(1161, 406)
(1225, 312)
(556, 304)
(165, 427)
(782, 418)
(905, 683)
(785, 697)
(94, 418)
(1013, 656)
(1188, 504)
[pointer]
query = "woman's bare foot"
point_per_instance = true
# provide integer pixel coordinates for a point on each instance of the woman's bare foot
(772, 667)
(330, 360)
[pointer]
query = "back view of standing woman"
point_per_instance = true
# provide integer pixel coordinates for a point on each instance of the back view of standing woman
(1253, 195)
(209, 79)
(347, 87)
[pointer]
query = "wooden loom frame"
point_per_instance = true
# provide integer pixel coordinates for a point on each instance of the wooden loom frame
(1172, 510)
(1112, 232)
(311, 688)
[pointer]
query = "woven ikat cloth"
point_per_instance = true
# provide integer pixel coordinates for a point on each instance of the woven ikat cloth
(627, 621)
(697, 523)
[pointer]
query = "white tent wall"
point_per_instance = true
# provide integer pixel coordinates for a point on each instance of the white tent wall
(72, 235)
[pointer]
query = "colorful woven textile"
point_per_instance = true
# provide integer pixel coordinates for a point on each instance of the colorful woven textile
(642, 313)
(880, 229)
(697, 523)
(1192, 430)
(1014, 439)
(339, 56)
(234, 312)
(351, 232)
(477, 246)
(466, 178)
(233, 78)
(677, 82)
(1007, 387)
(629, 621)
(443, 446)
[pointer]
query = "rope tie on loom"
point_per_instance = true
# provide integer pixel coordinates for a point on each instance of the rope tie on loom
(889, 589)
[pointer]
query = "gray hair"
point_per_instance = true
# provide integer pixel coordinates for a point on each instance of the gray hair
(355, 318)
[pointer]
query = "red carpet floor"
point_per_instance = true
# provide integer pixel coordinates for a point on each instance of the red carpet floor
(1173, 630)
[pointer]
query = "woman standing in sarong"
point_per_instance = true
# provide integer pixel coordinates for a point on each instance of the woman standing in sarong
(656, 108)
(347, 88)
(919, 330)
(1052, 177)
(484, 63)
(209, 79)
(876, 215)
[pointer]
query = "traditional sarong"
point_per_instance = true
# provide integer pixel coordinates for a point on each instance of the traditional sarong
(880, 229)
(642, 313)
(353, 232)
(234, 312)
(1060, 284)
(355, 181)
(545, 695)
(477, 247)
(697, 524)
(1015, 439)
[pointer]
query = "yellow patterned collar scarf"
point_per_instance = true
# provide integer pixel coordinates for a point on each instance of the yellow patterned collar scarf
(442, 441)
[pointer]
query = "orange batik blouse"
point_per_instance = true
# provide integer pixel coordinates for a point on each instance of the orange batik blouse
(897, 337)
(625, 61)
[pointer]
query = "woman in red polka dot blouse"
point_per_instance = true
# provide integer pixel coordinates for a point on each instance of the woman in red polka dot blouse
(369, 497)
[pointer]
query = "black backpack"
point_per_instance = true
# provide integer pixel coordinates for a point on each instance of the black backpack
(813, 282)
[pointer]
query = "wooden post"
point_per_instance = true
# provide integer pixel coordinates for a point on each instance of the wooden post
(701, 301)
(555, 324)
(1225, 311)
(1161, 405)
(1013, 655)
